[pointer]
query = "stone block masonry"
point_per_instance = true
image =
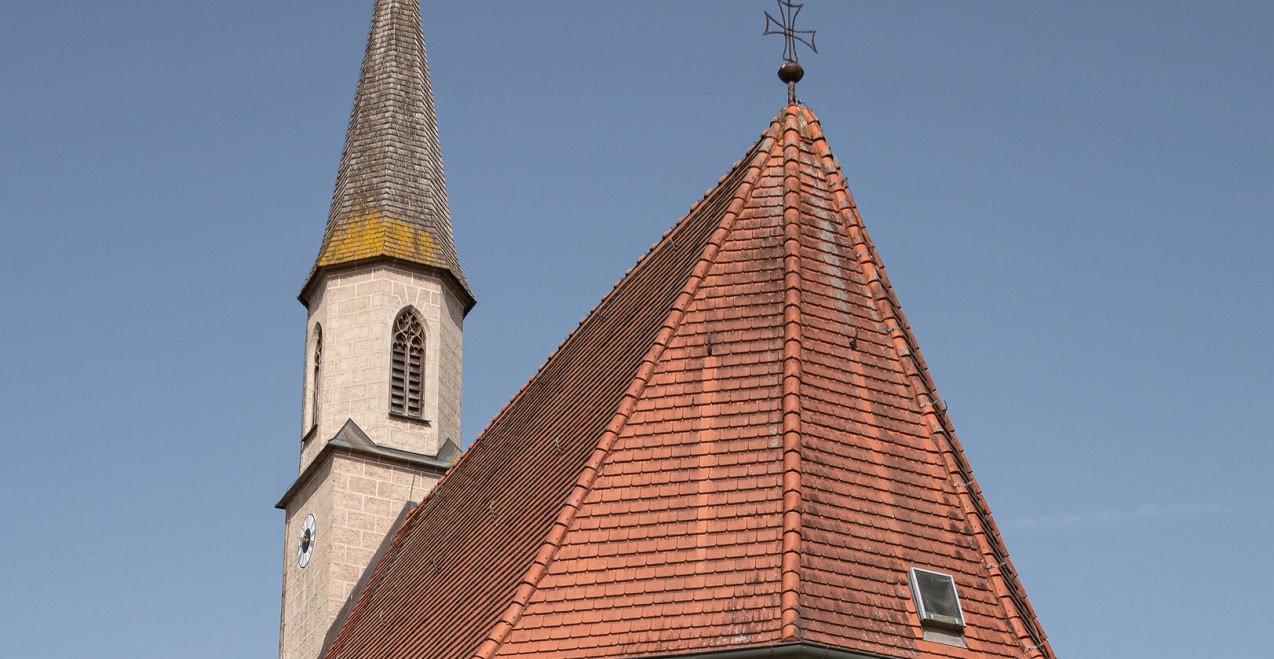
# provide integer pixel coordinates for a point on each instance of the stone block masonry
(356, 500)
(356, 309)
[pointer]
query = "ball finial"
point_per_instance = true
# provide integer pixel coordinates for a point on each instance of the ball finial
(791, 72)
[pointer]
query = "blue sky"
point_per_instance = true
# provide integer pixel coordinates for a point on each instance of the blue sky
(1072, 198)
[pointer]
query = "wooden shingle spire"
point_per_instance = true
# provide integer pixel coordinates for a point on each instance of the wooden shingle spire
(390, 200)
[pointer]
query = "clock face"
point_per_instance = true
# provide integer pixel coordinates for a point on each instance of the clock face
(308, 537)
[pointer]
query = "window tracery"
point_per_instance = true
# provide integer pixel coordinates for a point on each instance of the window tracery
(407, 366)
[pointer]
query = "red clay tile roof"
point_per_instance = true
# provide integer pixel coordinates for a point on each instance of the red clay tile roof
(740, 446)
(390, 200)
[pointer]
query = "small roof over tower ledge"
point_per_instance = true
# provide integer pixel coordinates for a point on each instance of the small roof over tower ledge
(390, 200)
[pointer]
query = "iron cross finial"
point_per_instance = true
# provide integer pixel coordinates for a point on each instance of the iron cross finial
(786, 26)
(791, 71)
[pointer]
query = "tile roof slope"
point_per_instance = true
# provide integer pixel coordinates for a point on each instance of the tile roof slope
(740, 446)
(390, 198)
(459, 560)
(885, 485)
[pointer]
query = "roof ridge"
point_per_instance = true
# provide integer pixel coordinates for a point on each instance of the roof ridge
(1021, 616)
(508, 620)
(791, 402)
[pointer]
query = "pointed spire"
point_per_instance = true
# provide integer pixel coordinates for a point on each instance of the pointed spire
(390, 200)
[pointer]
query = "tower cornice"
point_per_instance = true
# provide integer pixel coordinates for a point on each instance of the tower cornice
(353, 440)
(453, 282)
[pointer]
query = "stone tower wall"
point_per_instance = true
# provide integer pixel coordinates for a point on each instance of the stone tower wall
(356, 309)
(306, 590)
(356, 500)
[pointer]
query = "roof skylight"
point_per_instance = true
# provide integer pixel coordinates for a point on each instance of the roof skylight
(936, 599)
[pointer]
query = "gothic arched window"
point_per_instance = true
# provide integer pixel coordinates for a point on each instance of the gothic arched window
(407, 366)
(315, 386)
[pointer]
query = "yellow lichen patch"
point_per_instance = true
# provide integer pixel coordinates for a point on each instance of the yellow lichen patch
(362, 235)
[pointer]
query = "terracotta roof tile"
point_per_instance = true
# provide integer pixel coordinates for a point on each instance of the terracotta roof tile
(739, 446)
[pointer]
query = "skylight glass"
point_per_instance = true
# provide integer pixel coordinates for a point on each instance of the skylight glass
(936, 599)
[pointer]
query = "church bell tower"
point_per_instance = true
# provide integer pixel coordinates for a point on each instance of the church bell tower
(386, 301)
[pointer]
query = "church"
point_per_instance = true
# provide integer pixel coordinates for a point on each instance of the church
(739, 452)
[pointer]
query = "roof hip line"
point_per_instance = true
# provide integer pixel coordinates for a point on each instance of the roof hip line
(592, 468)
(791, 580)
(1006, 585)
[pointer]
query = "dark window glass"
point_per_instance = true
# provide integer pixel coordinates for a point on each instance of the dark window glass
(936, 599)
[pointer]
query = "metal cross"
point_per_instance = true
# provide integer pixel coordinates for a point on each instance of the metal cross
(788, 12)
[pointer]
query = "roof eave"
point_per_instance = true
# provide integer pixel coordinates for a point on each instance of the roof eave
(801, 650)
